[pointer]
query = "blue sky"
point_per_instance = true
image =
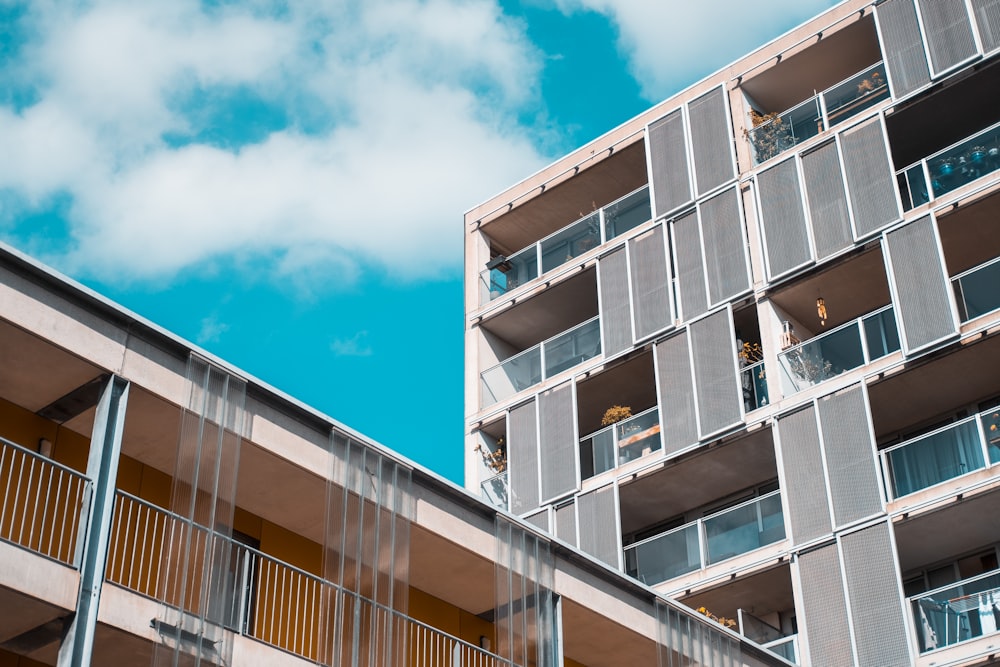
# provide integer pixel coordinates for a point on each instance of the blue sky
(282, 182)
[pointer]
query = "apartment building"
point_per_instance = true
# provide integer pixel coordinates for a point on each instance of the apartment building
(160, 507)
(789, 273)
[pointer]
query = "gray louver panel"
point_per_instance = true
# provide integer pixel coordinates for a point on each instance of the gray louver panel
(902, 46)
(616, 315)
(988, 21)
(713, 350)
(566, 523)
(804, 490)
(539, 520)
(673, 364)
(825, 608)
(725, 259)
(782, 217)
(669, 163)
(850, 457)
(690, 267)
(558, 441)
(923, 307)
(711, 141)
(831, 222)
(869, 177)
(599, 525)
(650, 283)
(522, 455)
(879, 628)
(949, 32)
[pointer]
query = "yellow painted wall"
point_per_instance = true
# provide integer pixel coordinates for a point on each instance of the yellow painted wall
(448, 618)
(25, 428)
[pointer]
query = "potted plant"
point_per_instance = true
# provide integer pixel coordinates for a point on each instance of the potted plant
(495, 460)
(615, 414)
(870, 85)
(770, 135)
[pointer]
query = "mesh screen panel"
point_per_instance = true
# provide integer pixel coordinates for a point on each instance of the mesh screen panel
(522, 458)
(725, 259)
(556, 417)
(711, 141)
(825, 609)
(616, 313)
(598, 525)
(566, 522)
(690, 267)
(988, 21)
(827, 199)
(902, 46)
(872, 584)
(717, 387)
(679, 428)
(650, 282)
(869, 177)
(949, 32)
(669, 163)
(782, 217)
(539, 520)
(804, 489)
(923, 308)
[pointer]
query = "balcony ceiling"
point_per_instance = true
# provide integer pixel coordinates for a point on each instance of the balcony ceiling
(595, 641)
(631, 383)
(761, 593)
(452, 573)
(969, 236)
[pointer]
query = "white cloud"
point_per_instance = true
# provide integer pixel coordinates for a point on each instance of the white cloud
(394, 127)
(355, 346)
(671, 44)
(211, 330)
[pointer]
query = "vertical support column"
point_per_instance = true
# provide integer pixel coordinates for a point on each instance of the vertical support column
(102, 471)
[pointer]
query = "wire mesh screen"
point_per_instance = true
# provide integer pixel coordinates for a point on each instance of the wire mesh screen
(558, 443)
(782, 217)
(711, 140)
(522, 458)
(803, 487)
(824, 608)
(949, 33)
(827, 199)
(869, 177)
(669, 163)
(902, 46)
(679, 426)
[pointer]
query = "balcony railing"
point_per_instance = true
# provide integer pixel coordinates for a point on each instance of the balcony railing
(43, 503)
(957, 612)
(839, 350)
(765, 634)
(566, 244)
(951, 168)
(726, 534)
(269, 600)
(954, 450)
(620, 443)
(495, 490)
(542, 361)
(977, 291)
(819, 113)
(786, 647)
(753, 381)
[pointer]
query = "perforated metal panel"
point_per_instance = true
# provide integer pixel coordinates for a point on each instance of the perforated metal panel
(850, 461)
(566, 522)
(923, 306)
(679, 426)
(804, 489)
(539, 520)
(869, 177)
(827, 200)
(873, 586)
(948, 32)
(669, 163)
(782, 217)
(987, 13)
(599, 525)
(825, 609)
(616, 311)
(690, 267)
(902, 46)
(711, 140)
(650, 282)
(556, 416)
(717, 387)
(522, 458)
(725, 258)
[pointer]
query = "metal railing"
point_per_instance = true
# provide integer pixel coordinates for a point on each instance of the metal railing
(707, 541)
(753, 383)
(948, 452)
(957, 612)
(620, 443)
(976, 290)
(527, 368)
(839, 350)
(564, 245)
(43, 503)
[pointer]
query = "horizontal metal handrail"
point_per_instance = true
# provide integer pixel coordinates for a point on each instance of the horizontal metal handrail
(956, 584)
(621, 423)
(539, 346)
(825, 334)
(924, 436)
(953, 146)
(47, 461)
(975, 269)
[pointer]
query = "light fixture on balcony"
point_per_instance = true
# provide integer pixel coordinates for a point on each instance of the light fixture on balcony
(500, 263)
(821, 311)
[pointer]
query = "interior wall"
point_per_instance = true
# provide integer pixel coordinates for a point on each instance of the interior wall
(25, 428)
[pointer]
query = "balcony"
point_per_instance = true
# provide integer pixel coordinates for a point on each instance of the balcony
(548, 358)
(922, 462)
(495, 490)
(620, 443)
(951, 168)
(564, 245)
(715, 538)
(976, 290)
(849, 346)
(958, 612)
(804, 121)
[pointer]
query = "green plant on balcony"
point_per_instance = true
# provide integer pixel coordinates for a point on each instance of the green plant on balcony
(770, 135)
(495, 460)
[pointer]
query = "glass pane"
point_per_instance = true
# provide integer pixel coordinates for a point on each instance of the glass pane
(665, 557)
(744, 529)
(573, 347)
(753, 381)
(991, 432)
(627, 213)
(512, 376)
(597, 453)
(856, 94)
(571, 242)
(881, 334)
(823, 357)
(935, 458)
(977, 292)
(773, 137)
(519, 268)
(956, 614)
(974, 157)
(638, 436)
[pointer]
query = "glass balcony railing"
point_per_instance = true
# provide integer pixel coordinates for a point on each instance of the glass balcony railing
(786, 647)
(976, 290)
(839, 350)
(753, 380)
(963, 447)
(950, 168)
(566, 244)
(620, 443)
(726, 534)
(542, 361)
(494, 490)
(957, 612)
(820, 112)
